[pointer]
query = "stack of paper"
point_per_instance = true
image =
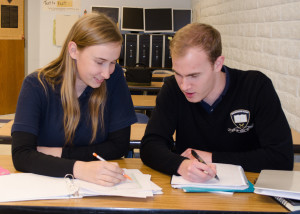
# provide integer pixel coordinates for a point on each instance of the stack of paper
(141, 186)
(232, 178)
(278, 183)
(28, 186)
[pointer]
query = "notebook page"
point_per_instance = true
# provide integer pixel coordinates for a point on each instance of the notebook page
(231, 177)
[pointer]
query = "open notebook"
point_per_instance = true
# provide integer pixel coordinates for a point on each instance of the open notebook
(28, 186)
(232, 178)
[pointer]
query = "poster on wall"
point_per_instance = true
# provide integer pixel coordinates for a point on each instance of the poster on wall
(63, 24)
(49, 5)
(12, 19)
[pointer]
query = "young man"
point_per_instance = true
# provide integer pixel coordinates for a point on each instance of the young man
(226, 115)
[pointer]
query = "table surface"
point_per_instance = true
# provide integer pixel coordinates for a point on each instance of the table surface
(155, 86)
(144, 101)
(137, 131)
(171, 199)
(161, 75)
(5, 130)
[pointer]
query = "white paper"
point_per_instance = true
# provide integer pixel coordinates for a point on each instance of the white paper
(28, 186)
(231, 177)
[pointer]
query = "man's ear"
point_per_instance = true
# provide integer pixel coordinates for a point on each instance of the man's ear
(72, 48)
(219, 63)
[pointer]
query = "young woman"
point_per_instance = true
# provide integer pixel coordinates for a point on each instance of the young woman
(76, 105)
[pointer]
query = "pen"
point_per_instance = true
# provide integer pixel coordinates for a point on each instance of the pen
(201, 161)
(102, 159)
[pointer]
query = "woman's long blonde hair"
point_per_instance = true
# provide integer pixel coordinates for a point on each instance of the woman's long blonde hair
(91, 29)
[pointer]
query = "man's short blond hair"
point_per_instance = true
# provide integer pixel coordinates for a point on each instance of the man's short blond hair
(197, 35)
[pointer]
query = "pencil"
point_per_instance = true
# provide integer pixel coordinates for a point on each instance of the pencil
(102, 159)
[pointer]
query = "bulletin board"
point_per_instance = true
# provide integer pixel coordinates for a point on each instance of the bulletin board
(12, 19)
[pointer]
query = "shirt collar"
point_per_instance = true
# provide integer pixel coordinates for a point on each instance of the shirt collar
(210, 108)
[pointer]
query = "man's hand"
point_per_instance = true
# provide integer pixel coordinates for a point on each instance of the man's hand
(193, 170)
(206, 156)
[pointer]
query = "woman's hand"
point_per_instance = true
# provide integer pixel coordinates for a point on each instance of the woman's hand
(54, 151)
(99, 172)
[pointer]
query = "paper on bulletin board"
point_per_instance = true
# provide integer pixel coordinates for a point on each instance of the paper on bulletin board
(63, 25)
(61, 4)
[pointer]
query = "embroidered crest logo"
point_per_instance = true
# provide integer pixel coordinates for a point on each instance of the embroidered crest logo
(240, 119)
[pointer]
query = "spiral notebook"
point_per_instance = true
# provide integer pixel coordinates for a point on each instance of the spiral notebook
(290, 204)
(28, 186)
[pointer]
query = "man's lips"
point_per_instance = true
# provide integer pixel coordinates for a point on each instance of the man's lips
(189, 94)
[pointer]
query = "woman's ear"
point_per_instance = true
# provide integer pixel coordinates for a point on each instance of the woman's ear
(72, 48)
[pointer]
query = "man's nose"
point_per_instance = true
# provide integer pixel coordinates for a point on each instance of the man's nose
(185, 85)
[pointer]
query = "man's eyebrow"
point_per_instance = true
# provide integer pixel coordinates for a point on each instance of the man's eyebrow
(192, 74)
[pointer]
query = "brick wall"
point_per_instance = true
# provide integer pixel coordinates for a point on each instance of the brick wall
(262, 35)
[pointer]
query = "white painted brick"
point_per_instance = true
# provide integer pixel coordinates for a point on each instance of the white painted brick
(264, 30)
(297, 105)
(233, 18)
(280, 30)
(279, 65)
(283, 98)
(289, 102)
(267, 3)
(294, 68)
(286, 30)
(288, 84)
(206, 4)
(290, 48)
(246, 5)
(293, 121)
(271, 46)
(249, 16)
(272, 14)
(254, 44)
(233, 29)
(291, 11)
(247, 30)
(261, 60)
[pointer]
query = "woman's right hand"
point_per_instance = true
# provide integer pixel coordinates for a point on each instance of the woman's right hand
(99, 172)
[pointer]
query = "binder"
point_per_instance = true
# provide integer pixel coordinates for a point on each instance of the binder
(278, 183)
(29, 186)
